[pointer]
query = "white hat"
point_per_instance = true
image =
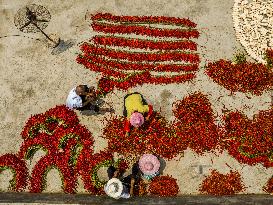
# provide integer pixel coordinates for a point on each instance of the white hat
(114, 188)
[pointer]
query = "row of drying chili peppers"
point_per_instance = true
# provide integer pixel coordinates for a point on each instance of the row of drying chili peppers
(105, 55)
(143, 19)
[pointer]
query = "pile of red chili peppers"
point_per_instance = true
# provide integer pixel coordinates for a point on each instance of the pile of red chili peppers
(195, 124)
(155, 136)
(243, 77)
(250, 141)
(222, 184)
(163, 186)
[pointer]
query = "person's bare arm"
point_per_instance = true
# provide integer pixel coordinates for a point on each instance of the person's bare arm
(132, 187)
(116, 173)
(88, 100)
(150, 112)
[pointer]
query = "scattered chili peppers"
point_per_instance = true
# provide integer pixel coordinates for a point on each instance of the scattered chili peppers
(44, 165)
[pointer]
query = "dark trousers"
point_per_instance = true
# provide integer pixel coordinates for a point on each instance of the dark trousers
(89, 106)
(126, 180)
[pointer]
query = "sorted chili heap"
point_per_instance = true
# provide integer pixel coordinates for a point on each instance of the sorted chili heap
(250, 141)
(222, 184)
(163, 186)
(155, 136)
(195, 124)
(243, 77)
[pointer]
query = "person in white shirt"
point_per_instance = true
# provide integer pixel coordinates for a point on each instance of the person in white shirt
(82, 98)
(115, 189)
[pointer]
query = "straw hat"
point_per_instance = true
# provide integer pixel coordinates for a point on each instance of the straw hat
(136, 119)
(114, 188)
(149, 164)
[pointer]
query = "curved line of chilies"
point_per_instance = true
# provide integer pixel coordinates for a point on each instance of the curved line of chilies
(68, 175)
(52, 142)
(142, 30)
(18, 166)
(143, 19)
(32, 122)
(55, 158)
(61, 160)
(88, 163)
(144, 44)
(140, 56)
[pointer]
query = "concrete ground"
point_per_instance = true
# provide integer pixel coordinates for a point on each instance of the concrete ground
(33, 81)
(35, 199)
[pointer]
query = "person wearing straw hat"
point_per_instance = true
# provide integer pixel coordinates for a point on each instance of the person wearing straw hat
(136, 110)
(149, 165)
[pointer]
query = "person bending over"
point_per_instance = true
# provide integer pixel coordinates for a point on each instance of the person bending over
(82, 98)
(136, 110)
